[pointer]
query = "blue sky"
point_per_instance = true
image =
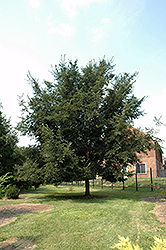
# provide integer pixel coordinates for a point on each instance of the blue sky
(35, 33)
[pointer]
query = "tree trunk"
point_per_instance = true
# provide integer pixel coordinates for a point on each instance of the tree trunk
(87, 191)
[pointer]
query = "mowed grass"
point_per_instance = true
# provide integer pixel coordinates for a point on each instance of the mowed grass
(87, 224)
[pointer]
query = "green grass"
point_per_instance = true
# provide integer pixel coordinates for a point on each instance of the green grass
(88, 224)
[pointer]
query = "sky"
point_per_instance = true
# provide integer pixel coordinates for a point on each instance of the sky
(34, 34)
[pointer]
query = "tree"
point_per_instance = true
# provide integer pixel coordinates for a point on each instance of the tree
(8, 140)
(29, 171)
(83, 121)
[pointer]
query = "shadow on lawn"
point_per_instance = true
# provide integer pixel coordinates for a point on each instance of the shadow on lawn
(52, 194)
(96, 196)
(74, 198)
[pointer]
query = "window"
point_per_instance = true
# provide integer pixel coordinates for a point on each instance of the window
(141, 168)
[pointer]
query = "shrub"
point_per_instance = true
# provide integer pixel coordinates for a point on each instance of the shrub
(125, 244)
(12, 192)
(159, 244)
(1, 193)
(5, 181)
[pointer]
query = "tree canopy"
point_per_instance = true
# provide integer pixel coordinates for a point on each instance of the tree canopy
(8, 140)
(83, 122)
(28, 172)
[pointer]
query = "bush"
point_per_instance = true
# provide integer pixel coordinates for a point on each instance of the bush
(125, 244)
(12, 192)
(1, 193)
(5, 181)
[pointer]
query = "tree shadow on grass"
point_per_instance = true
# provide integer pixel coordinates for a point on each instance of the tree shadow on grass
(95, 197)
(75, 197)
(52, 194)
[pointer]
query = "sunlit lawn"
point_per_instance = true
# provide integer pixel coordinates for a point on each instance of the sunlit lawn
(87, 224)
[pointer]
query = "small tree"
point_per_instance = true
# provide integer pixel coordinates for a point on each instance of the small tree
(8, 140)
(30, 170)
(83, 118)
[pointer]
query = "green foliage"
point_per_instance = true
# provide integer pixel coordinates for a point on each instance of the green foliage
(30, 170)
(61, 163)
(83, 117)
(125, 244)
(5, 181)
(12, 192)
(8, 140)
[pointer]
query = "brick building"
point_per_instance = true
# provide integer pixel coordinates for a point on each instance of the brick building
(152, 160)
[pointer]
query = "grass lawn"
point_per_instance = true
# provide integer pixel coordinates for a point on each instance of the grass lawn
(87, 224)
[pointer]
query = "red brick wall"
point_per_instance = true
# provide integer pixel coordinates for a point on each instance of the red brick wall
(152, 160)
(158, 162)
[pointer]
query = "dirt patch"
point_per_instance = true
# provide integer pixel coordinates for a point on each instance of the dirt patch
(8, 213)
(152, 199)
(160, 212)
(17, 244)
(160, 208)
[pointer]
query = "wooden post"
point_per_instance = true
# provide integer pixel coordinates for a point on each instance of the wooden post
(151, 180)
(123, 184)
(101, 182)
(136, 180)
(123, 178)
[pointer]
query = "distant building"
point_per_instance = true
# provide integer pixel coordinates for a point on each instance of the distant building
(152, 160)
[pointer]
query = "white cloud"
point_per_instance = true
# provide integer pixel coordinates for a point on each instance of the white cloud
(99, 32)
(105, 20)
(71, 6)
(49, 20)
(64, 30)
(37, 19)
(35, 4)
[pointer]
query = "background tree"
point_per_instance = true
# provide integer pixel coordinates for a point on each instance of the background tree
(29, 171)
(9, 156)
(83, 118)
(8, 140)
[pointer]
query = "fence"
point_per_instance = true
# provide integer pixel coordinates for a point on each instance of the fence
(143, 185)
